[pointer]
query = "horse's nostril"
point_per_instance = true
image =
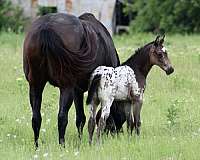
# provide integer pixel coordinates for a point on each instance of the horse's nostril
(170, 71)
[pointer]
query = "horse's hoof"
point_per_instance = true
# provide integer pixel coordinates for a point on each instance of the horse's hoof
(36, 148)
(36, 145)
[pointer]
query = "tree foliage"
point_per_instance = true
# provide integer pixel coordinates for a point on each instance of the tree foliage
(45, 10)
(165, 15)
(11, 17)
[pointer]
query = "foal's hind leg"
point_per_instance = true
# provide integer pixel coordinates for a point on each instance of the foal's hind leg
(35, 93)
(66, 99)
(80, 115)
(105, 105)
(92, 120)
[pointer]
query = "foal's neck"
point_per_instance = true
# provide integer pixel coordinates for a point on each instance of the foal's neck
(140, 62)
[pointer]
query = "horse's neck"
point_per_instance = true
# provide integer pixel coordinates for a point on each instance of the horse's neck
(143, 70)
(140, 63)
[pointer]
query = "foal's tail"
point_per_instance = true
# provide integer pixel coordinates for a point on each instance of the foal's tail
(93, 88)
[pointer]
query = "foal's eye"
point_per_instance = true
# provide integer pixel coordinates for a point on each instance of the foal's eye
(160, 55)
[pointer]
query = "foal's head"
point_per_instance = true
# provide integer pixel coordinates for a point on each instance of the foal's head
(159, 57)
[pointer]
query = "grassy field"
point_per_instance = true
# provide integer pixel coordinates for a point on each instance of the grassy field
(170, 115)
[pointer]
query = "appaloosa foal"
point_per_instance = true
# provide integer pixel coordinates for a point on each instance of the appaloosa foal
(125, 83)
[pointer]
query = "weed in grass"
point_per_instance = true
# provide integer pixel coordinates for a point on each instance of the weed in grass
(172, 114)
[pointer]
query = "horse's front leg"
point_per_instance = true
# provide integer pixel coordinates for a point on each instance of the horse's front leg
(80, 115)
(35, 94)
(66, 99)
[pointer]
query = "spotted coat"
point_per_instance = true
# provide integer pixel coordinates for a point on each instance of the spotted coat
(116, 84)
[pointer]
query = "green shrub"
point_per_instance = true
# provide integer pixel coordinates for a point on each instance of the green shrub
(45, 10)
(167, 16)
(11, 17)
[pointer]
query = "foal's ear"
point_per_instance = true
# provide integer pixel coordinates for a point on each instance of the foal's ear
(162, 40)
(157, 41)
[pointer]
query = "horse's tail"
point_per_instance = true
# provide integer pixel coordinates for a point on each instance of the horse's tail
(64, 66)
(93, 88)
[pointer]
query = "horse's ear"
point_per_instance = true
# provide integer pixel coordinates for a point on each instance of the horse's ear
(162, 40)
(157, 41)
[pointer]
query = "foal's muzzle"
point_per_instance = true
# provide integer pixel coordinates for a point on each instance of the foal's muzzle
(169, 70)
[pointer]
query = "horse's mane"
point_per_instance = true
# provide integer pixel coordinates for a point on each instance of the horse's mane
(138, 54)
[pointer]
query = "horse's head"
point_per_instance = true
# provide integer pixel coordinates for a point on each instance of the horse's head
(159, 57)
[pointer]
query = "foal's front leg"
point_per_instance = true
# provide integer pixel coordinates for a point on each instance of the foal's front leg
(129, 108)
(136, 114)
(134, 117)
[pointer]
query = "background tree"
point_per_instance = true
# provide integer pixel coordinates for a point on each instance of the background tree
(168, 15)
(11, 17)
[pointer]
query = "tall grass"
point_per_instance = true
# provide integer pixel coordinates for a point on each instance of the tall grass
(158, 140)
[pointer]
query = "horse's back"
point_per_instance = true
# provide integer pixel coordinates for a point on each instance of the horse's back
(67, 26)
(105, 41)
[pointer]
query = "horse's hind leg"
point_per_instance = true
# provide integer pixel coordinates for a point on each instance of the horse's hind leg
(80, 115)
(35, 94)
(66, 99)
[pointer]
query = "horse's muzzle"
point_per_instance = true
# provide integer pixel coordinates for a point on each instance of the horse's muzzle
(170, 70)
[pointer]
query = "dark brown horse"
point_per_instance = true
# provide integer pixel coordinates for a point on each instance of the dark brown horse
(63, 50)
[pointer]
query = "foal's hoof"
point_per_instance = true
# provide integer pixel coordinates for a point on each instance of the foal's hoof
(80, 136)
(90, 143)
(137, 132)
(62, 143)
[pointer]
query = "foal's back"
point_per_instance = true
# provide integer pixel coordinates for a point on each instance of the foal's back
(117, 83)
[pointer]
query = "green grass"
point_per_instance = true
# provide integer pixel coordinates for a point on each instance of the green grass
(158, 141)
